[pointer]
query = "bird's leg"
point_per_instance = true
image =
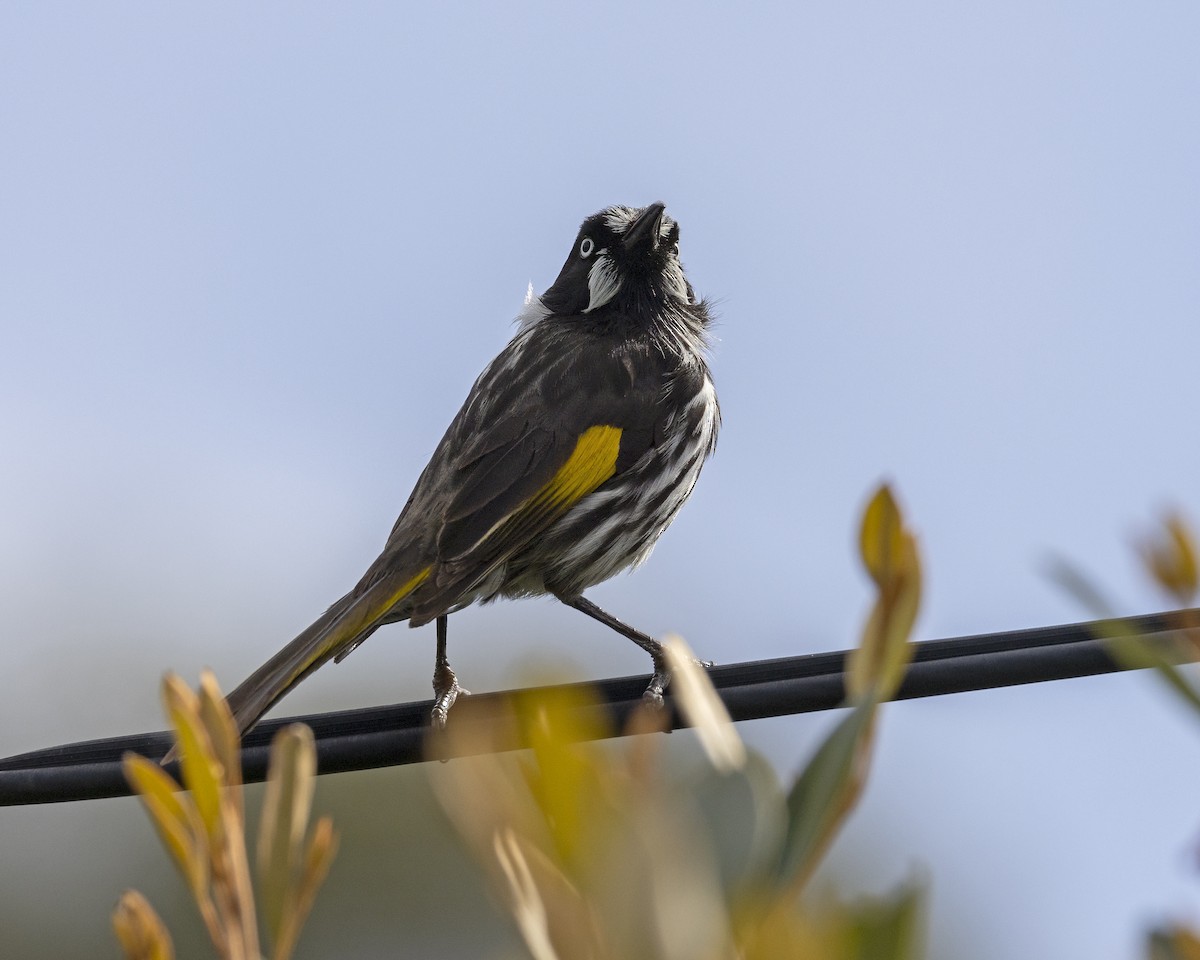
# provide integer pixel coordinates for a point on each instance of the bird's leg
(662, 675)
(445, 683)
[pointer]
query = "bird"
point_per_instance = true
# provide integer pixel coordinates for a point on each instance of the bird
(573, 452)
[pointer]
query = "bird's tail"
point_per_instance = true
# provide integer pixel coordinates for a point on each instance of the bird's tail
(342, 627)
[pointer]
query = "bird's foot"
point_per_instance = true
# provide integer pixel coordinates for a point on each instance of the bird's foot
(658, 683)
(445, 692)
(662, 679)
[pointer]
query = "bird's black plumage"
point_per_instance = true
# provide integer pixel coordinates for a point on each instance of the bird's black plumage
(573, 451)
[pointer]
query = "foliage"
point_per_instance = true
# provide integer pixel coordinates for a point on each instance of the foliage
(204, 831)
(1169, 557)
(598, 854)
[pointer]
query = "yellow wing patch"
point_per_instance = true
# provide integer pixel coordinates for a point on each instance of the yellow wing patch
(593, 461)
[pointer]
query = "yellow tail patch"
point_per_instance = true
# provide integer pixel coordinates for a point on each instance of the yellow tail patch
(353, 626)
(405, 590)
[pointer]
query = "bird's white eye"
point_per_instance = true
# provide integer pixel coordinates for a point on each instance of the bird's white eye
(586, 247)
(675, 251)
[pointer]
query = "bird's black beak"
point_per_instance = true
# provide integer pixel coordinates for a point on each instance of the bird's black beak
(643, 232)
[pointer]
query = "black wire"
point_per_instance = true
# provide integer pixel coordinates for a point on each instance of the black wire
(374, 737)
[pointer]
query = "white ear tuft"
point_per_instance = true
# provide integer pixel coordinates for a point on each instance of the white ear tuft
(532, 311)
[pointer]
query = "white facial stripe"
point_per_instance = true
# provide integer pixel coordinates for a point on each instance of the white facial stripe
(603, 282)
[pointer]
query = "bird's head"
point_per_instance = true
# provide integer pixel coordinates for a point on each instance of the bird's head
(622, 256)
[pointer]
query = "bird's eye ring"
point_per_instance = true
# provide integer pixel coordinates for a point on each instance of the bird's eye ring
(586, 246)
(675, 251)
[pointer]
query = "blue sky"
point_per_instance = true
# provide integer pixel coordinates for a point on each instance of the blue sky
(254, 257)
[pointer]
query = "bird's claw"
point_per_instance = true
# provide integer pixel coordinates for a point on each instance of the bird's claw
(653, 696)
(661, 679)
(445, 692)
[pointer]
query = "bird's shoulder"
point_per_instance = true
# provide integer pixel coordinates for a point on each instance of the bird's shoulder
(528, 415)
(552, 392)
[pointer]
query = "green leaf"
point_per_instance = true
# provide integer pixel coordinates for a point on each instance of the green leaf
(1135, 653)
(888, 929)
(824, 794)
(1122, 642)
(744, 813)
(1076, 583)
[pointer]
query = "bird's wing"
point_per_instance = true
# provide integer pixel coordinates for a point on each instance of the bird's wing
(505, 471)
(521, 463)
(522, 488)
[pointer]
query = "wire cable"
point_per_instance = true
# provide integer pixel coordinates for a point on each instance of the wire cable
(384, 736)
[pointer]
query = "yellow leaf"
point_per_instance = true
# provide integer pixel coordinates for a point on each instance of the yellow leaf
(527, 907)
(776, 928)
(904, 602)
(889, 553)
(233, 886)
(1126, 647)
(1170, 556)
(204, 830)
(1174, 943)
(887, 928)
(222, 731)
(317, 859)
(202, 773)
(174, 816)
(702, 708)
(881, 537)
(141, 932)
(566, 779)
(286, 807)
(322, 848)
